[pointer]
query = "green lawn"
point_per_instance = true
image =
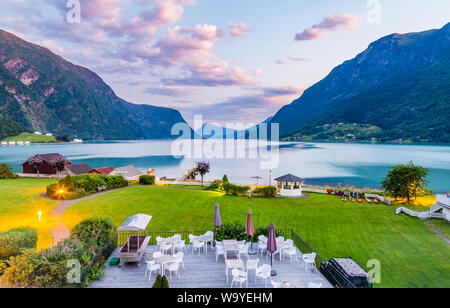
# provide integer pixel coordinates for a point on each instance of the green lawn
(32, 138)
(410, 254)
(20, 201)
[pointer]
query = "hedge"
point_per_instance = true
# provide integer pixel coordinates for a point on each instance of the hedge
(235, 190)
(147, 180)
(266, 191)
(81, 185)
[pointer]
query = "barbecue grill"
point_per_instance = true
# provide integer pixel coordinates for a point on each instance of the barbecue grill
(345, 273)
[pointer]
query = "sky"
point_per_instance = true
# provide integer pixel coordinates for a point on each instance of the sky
(228, 60)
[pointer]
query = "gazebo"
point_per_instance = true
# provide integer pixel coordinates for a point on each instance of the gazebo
(290, 185)
(133, 235)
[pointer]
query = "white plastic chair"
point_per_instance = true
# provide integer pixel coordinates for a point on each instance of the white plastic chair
(152, 266)
(280, 238)
(178, 236)
(313, 285)
(243, 250)
(264, 272)
(165, 248)
(252, 265)
(291, 252)
(219, 252)
(262, 247)
(191, 240)
(157, 255)
(197, 245)
(275, 284)
(239, 277)
(180, 258)
(158, 241)
(309, 259)
(173, 267)
(180, 246)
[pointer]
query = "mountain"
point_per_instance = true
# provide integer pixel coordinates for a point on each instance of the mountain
(41, 91)
(400, 84)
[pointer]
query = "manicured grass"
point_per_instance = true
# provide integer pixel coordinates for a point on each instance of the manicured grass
(20, 204)
(442, 225)
(32, 138)
(410, 254)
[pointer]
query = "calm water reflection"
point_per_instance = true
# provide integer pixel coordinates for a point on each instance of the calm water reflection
(319, 163)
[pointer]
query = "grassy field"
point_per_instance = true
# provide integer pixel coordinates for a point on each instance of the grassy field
(20, 204)
(32, 138)
(410, 254)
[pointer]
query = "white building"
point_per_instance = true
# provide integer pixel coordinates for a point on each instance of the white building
(444, 201)
(130, 173)
(49, 134)
(290, 186)
(37, 133)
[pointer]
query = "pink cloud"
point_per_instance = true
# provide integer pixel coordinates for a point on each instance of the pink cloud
(239, 30)
(329, 23)
(296, 59)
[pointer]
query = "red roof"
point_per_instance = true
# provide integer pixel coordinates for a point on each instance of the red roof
(105, 170)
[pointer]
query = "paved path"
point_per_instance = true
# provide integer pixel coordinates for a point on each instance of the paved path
(60, 230)
(441, 235)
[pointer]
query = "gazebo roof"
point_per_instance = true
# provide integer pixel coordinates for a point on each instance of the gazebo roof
(137, 222)
(289, 178)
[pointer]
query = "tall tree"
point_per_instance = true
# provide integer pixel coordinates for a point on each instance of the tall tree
(36, 163)
(405, 181)
(202, 169)
(60, 166)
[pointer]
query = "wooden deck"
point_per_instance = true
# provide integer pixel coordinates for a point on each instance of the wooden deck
(202, 271)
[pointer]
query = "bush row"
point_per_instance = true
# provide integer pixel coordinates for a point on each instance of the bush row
(235, 190)
(236, 231)
(147, 180)
(84, 184)
(266, 191)
(90, 244)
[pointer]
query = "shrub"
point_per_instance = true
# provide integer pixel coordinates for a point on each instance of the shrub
(84, 184)
(14, 242)
(6, 172)
(94, 232)
(91, 243)
(266, 191)
(235, 190)
(231, 231)
(147, 180)
(161, 282)
(215, 185)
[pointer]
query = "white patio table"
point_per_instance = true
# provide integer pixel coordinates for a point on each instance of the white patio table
(165, 260)
(171, 241)
(231, 245)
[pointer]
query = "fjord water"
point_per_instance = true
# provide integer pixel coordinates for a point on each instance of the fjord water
(360, 165)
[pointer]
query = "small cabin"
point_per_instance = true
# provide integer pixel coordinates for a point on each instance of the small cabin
(290, 186)
(48, 165)
(77, 169)
(104, 170)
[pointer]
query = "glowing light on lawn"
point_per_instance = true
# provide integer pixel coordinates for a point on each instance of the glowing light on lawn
(39, 216)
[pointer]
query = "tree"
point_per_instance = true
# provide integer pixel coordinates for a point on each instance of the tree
(36, 163)
(405, 181)
(6, 172)
(225, 179)
(202, 169)
(60, 166)
(161, 282)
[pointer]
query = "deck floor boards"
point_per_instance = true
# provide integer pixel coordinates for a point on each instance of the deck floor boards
(202, 271)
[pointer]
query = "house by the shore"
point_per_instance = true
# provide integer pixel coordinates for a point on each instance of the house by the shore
(48, 166)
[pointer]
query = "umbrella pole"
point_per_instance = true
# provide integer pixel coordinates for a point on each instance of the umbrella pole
(273, 272)
(252, 252)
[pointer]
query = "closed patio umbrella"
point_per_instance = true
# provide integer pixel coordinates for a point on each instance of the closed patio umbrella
(250, 230)
(272, 245)
(217, 221)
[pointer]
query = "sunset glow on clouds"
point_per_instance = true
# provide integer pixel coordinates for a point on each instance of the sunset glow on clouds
(220, 59)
